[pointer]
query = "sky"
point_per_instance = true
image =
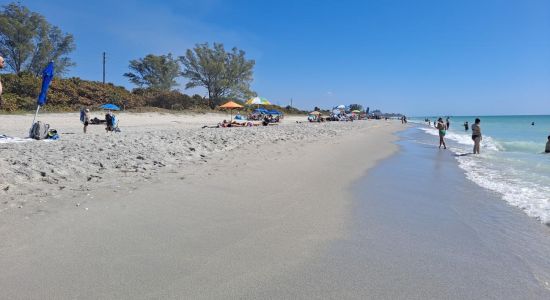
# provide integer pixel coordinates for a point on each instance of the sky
(422, 57)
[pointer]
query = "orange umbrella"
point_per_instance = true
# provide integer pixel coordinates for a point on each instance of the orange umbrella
(231, 105)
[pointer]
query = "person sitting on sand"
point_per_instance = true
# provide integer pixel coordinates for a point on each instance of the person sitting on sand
(110, 121)
(265, 122)
(547, 150)
(442, 131)
(476, 135)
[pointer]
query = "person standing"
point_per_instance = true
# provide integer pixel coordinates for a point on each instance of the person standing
(86, 119)
(448, 123)
(547, 150)
(466, 126)
(442, 131)
(476, 135)
(1, 67)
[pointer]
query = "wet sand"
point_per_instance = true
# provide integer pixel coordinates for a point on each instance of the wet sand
(421, 230)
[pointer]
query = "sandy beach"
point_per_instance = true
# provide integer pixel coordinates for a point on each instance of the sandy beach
(169, 210)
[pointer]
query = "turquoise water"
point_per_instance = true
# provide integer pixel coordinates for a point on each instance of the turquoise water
(511, 163)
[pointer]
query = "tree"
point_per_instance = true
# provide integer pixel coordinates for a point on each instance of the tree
(155, 72)
(356, 107)
(223, 74)
(29, 42)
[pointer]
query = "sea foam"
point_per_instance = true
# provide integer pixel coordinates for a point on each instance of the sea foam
(514, 169)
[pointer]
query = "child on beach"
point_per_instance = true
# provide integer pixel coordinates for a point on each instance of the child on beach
(442, 131)
(476, 135)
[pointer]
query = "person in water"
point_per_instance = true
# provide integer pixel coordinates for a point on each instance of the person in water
(532, 123)
(476, 135)
(466, 127)
(547, 150)
(442, 131)
(448, 123)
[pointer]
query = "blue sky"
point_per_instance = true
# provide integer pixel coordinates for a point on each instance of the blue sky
(422, 57)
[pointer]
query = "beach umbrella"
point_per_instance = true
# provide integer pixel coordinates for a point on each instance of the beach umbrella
(315, 113)
(261, 110)
(356, 111)
(47, 76)
(110, 106)
(231, 106)
(258, 101)
(341, 106)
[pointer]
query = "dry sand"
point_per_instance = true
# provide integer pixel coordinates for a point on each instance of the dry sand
(168, 210)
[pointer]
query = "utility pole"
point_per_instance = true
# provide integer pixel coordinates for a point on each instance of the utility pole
(291, 103)
(103, 67)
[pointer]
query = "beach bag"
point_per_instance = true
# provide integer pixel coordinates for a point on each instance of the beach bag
(39, 130)
(53, 135)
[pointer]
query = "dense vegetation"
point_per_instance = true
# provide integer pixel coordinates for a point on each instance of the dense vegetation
(21, 92)
(28, 42)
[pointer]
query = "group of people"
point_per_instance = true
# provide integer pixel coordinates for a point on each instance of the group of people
(443, 126)
(476, 134)
(110, 121)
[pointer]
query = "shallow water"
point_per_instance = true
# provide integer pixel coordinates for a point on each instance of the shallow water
(511, 161)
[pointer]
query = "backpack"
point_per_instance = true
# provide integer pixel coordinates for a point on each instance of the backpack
(39, 131)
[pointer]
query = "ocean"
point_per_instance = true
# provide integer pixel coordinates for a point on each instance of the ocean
(511, 163)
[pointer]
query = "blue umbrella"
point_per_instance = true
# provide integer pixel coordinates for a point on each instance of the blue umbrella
(110, 106)
(47, 76)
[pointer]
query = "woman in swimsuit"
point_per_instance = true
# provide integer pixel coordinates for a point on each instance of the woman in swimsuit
(442, 131)
(476, 135)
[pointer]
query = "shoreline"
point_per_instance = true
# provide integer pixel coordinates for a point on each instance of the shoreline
(422, 230)
(222, 225)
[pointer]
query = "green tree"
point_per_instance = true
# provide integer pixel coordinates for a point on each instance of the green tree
(29, 42)
(223, 74)
(154, 72)
(356, 107)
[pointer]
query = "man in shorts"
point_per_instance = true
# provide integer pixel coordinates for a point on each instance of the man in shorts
(1, 67)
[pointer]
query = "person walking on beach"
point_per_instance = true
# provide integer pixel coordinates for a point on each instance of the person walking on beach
(1, 67)
(547, 150)
(442, 131)
(476, 135)
(86, 119)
